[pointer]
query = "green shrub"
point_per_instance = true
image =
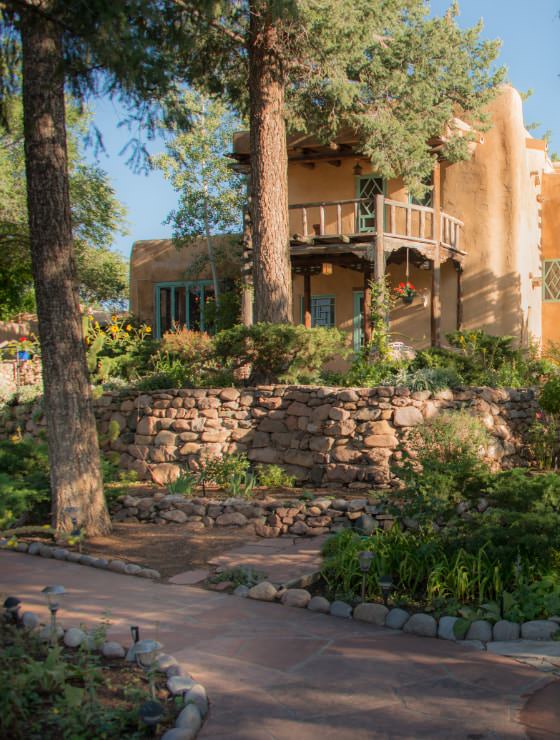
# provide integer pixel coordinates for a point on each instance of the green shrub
(549, 398)
(442, 465)
(24, 482)
(273, 476)
(429, 379)
(184, 484)
(278, 351)
(220, 470)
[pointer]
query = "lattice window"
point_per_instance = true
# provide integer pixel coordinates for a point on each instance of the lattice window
(551, 280)
(368, 187)
(322, 310)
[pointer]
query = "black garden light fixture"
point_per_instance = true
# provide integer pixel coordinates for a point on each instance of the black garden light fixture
(135, 633)
(146, 652)
(151, 714)
(54, 595)
(12, 606)
(386, 584)
(365, 560)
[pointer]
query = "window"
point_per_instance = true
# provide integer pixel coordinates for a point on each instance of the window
(183, 304)
(368, 187)
(428, 198)
(551, 280)
(322, 311)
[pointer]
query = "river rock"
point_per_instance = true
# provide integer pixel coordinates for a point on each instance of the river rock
(297, 597)
(505, 631)
(263, 591)
(539, 629)
(396, 619)
(481, 630)
(421, 624)
(74, 637)
(445, 628)
(319, 604)
(371, 613)
(341, 609)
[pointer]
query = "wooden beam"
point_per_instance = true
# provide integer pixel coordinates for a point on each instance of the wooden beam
(435, 309)
(366, 318)
(459, 296)
(307, 300)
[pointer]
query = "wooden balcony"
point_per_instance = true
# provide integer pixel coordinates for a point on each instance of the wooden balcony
(351, 225)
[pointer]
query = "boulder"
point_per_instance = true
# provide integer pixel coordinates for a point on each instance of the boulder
(341, 609)
(298, 597)
(263, 591)
(371, 613)
(190, 718)
(174, 515)
(319, 604)
(445, 628)
(74, 637)
(505, 631)
(30, 620)
(421, 624)
(112, 650)
(396, 619)
(165, 473)
(481, 630)
(180, 684)
(235, 519)
(539, 629)
(197, 696)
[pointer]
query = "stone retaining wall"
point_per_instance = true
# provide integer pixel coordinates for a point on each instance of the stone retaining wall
(268, 517)
(328, 437)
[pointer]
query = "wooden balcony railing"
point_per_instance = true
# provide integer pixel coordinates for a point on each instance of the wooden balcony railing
(355, 219)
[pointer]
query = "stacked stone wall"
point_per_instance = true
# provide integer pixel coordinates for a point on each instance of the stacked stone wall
(328, 437)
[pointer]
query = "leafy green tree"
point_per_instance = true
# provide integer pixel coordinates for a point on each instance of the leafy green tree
(96, 216)
(211, 193)
(395, 76)
(128, 51)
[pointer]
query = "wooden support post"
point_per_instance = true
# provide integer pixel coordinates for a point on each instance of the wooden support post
(307, 300)
(459, 269)
(436, 277)
(380, 238)
(247, 293)
(366, 317)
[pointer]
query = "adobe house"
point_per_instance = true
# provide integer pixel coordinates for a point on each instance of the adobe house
(473, 249)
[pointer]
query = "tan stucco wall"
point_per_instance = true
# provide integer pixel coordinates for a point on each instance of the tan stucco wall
(495, 195)
(156, 261)
(551, 250)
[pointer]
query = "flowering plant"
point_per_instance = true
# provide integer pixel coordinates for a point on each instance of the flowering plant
(405, 290)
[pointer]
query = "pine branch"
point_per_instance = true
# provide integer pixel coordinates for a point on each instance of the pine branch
(211, 22)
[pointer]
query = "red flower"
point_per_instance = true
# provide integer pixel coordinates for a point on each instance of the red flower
(23, 339)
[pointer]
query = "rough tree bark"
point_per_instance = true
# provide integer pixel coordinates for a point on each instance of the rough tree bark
(71, 431)
(269, 172)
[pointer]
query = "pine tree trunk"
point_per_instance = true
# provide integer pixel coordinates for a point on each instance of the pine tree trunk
(269, 171)
(71, 431)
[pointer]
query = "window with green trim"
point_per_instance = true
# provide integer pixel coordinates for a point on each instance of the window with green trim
(183, 304)
(322, 311)
(551, 281)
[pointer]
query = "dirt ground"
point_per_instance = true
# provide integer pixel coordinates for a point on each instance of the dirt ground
(167, 548)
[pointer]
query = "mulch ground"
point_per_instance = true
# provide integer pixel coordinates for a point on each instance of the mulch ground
(167, 548)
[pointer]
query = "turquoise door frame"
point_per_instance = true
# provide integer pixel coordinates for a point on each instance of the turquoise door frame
(358, 320)
(179, 284)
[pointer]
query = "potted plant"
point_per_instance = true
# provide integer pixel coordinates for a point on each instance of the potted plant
(406, 291)
(24, 349)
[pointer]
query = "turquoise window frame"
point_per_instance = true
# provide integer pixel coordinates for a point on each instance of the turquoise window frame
(329, 296)
(357, 181)
(357, 327)
(188, 284)
(546, 268)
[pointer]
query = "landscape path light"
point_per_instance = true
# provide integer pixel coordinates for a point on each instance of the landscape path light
(151, 714)
(146, 653)
(386, 584)
(365, 560)
(12, 606)
(54, 595)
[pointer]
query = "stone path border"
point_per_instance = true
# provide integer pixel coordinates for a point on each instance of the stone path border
(61, 553)
(478, 635)
(192, 716)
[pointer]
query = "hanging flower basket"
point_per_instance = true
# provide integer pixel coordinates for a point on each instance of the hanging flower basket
(406, 292)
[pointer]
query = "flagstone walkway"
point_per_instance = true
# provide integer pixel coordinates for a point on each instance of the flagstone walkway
(277, 673)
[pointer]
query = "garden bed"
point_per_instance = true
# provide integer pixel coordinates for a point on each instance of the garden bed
(60, 692)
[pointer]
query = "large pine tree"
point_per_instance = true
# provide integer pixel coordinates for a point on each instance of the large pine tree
(122, 49)
(383, 68)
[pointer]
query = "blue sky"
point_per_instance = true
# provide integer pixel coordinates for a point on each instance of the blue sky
(530, 32)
